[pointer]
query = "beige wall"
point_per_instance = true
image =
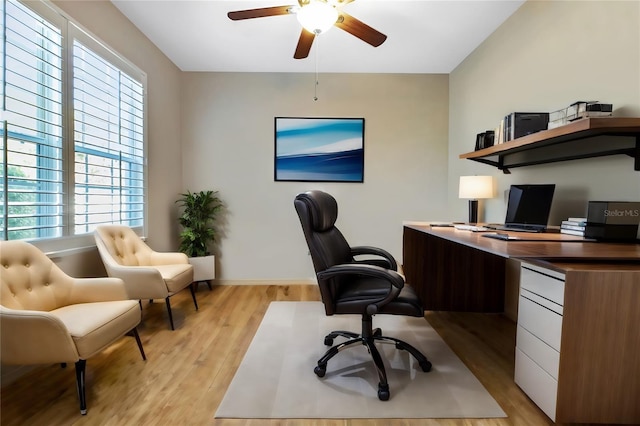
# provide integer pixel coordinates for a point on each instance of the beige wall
(548, 55)
(106, 22)
(228, 145)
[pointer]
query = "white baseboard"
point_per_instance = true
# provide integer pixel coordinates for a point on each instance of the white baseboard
(265, 282)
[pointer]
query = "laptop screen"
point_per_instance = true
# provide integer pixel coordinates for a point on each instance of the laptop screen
(529, 205)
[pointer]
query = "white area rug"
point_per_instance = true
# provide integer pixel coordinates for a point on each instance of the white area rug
(276, 378)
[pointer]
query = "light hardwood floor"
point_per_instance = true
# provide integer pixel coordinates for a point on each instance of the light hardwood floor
(188, 370)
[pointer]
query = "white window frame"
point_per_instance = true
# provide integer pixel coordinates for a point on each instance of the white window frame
(71, 30)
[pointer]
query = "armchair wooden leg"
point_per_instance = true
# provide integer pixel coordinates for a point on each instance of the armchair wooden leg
(80, 369)
(139, 342)
(169, 311)
(193, 295)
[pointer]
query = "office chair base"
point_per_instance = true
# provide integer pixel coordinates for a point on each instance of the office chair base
(368, 338)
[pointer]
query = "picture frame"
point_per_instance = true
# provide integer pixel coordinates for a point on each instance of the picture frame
(319, 149)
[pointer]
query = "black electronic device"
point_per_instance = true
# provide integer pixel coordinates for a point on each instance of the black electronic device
(519, 124)
(613, 220)
(528, 208)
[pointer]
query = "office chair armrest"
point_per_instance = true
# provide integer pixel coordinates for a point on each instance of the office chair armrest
(387, 259)
(396, 280)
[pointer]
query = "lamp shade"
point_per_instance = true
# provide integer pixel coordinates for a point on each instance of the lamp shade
(476, 187)
(317, 17)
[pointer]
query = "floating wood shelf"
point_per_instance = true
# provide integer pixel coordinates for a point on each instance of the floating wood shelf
(578, 139)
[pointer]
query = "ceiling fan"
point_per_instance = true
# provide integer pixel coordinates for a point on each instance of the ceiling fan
(316, 17)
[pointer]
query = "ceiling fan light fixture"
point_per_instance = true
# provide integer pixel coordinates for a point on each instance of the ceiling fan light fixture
(317, 17)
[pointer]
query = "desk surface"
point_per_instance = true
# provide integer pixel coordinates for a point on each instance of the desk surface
(550, 246)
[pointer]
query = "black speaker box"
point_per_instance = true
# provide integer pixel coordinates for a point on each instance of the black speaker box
(613, 220)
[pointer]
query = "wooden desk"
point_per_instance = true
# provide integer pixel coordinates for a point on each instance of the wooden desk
(579, 364)
(455, 270)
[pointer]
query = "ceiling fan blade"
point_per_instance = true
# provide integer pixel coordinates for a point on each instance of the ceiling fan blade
(259, 13)
(304, 44)
(359, 29)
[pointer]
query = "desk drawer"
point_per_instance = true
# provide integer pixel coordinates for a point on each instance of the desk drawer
(536, 383)
(543, 282)
(540, 321)
(539, 352)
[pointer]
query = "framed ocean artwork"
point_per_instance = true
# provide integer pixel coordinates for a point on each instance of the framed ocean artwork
(319, 149)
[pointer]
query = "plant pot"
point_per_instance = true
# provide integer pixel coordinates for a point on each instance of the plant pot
(204, 268)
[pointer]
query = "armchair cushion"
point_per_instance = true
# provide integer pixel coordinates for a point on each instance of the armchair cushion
(94, 326)
(176, 277)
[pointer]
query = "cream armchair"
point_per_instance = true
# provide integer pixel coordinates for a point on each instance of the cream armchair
(147, 274)
(47, 316)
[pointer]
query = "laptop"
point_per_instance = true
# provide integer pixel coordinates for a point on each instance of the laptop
(527, 209)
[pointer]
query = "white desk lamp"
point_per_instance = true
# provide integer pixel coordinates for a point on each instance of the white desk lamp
(475, 188)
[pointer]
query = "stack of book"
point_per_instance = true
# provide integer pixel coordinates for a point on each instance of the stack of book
(574, 226)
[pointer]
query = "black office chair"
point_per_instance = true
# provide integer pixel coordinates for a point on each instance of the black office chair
(349, 286)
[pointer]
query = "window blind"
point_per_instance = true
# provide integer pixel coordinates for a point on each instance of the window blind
(108, 141)
(33, 186)
(73, 129)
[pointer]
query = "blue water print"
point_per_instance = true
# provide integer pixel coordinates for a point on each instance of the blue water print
(319, 149)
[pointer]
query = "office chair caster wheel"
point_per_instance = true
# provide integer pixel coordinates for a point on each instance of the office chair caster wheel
(383, 392)
(320, 370)
(426, 366)
(328, 341)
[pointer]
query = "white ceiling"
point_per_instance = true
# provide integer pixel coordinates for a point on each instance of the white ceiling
(424, 36)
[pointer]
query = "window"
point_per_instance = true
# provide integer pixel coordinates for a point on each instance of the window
(72, 131)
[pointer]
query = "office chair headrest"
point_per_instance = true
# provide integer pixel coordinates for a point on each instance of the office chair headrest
(323, 208)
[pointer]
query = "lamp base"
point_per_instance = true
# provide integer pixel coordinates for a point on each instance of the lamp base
(473, 211)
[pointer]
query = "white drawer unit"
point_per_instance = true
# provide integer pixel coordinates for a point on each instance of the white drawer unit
(546, 283)
(577, 340)
(539, 320)
(536, 383)
(539, 335)
(546, 357)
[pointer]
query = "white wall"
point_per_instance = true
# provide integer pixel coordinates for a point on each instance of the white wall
(228, 145)
(547, 55)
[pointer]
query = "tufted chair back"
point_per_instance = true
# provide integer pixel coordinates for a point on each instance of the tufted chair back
(147, 274)
(30, 280)
(124, 245)
(47, 316)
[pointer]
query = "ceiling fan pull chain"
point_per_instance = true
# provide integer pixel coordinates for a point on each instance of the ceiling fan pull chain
(315, 87)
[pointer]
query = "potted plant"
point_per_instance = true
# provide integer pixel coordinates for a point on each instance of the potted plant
(200, 210)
